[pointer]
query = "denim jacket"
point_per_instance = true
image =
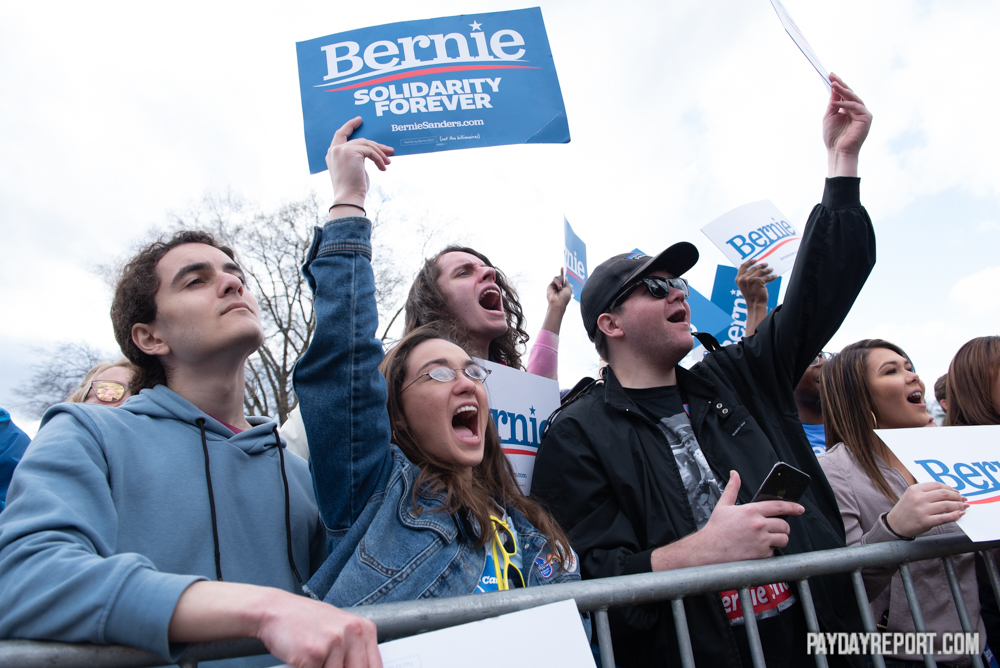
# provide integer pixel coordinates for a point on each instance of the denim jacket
(381, 548)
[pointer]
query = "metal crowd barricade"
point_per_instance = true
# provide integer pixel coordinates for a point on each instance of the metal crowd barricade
(397, 620)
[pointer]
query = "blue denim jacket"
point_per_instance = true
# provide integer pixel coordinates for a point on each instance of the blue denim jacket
(381, 549)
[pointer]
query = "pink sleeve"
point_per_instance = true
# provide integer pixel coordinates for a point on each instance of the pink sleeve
(543, 360)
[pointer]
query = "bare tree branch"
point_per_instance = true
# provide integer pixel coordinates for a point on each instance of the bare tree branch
(61, 370)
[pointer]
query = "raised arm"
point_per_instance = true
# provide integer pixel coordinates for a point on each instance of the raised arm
(543, 360)
(341, 393)
(835, 257)
(752, 279)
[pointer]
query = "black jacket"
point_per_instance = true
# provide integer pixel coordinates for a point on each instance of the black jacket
(610, 478)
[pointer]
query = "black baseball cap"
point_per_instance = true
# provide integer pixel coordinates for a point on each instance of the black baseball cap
(614, 274)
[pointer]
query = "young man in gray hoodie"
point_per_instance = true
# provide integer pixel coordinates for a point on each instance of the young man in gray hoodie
(173, 518)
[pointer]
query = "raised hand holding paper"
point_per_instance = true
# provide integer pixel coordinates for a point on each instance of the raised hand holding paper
(800, 41)
(756, 230)
(434, 85)
(964, 458)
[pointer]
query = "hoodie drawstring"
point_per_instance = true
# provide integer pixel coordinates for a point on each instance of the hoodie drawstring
(211, 499)
(288, 518)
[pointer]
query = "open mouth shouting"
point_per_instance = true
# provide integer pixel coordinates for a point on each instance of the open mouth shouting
(679, 316)
(916, 397)
(491, 300)
(465, 422)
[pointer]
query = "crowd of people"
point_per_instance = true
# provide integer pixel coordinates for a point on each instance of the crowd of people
(150, 511)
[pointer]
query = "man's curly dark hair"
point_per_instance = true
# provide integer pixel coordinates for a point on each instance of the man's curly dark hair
(426, 305)
(135, 302)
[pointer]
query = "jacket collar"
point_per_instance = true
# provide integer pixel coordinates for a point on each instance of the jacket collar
(690, 385)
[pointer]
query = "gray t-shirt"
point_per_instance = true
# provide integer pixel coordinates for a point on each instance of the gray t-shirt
(663, 406)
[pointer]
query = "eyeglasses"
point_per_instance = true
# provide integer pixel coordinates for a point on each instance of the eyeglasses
(443, 374)
(658, 287)
(107, 391)
(823, 356)
(510, 575)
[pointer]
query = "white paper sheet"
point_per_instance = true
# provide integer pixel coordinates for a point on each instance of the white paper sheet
(543, 637)
(965, 458)
(756, 230)
(800, 41)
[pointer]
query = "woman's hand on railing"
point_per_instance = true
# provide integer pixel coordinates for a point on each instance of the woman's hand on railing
(924, 506)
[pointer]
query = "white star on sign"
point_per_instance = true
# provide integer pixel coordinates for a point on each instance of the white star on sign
(475, 25)
(732, 292)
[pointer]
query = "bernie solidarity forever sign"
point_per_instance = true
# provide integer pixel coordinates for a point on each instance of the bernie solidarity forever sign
(434, 85)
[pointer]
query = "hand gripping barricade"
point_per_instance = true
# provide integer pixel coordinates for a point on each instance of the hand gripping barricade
(397, 620)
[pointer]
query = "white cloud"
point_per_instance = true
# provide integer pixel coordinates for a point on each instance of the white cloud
(980, 292)
(987, 226)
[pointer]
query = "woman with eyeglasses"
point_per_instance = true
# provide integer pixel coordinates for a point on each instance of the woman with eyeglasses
(107, 384)
(872, 385)
(415, 492)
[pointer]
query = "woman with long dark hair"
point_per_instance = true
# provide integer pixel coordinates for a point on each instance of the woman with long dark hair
(415, 492)
(973, 386)
(871, 385)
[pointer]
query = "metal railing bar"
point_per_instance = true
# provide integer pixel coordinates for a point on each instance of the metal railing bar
(861, 595)
(960, 607)
(604, 638)
(683, 636)
(915, 612)
(750, 624)
(991, 569)
(812, 621)
(397, 620)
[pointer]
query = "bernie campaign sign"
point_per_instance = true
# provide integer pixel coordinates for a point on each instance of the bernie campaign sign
(575, 262)
(965, 459)
(520, 405)
(727, 297)
(434, 85)
(756, 231)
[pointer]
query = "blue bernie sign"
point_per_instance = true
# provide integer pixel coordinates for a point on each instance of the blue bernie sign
(730, 300)
(575, 262)
(706, 316)
(434, 85)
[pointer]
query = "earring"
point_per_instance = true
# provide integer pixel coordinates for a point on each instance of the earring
(874, 421)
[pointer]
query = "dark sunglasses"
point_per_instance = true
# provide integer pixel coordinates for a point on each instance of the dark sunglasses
(658, 287)
(107, 391)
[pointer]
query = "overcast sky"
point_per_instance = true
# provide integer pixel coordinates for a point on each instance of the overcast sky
(111, 115)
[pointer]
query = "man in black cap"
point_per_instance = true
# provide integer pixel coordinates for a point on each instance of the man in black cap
(644, 469)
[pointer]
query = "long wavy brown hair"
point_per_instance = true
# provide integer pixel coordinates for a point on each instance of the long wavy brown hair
(972, 379)
(427, 305)
(492, 479)
(849, 411)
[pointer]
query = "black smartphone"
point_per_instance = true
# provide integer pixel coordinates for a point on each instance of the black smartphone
(783, 483)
